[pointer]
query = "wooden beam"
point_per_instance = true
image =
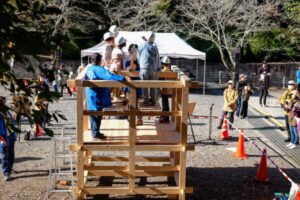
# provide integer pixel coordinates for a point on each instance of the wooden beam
(96, 147)
(131, 84)
(169, 75)
(136, 112)
(125, 173)
(126, 159)
(137, 190)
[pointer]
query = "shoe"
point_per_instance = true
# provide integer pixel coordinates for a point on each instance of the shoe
(100, 136)
(219, 127)
(293, 146)
(6, 177)
(61, 98)
(287, 140)
(289, 144)
(164, 120)
(139, 122)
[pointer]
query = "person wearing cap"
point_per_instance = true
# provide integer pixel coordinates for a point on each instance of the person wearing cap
(108, 48)
(149, 61)
(114, 30)
(264, 83)
(99, 98)
(7, 139)
(240, 87)
(230, 104)
(284, 102)
(117, 62)
(165, 92)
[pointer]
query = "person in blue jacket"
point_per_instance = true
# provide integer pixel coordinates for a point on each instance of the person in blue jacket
(7, 140)
(298, 78)
(98, 98)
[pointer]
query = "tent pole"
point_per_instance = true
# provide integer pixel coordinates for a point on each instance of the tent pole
(197, 70)
(204, 76)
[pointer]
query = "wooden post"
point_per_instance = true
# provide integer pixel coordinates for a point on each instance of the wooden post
(80, 171)
(132, 138)
(183, 142)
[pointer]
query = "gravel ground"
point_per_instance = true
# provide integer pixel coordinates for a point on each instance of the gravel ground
(212, 170)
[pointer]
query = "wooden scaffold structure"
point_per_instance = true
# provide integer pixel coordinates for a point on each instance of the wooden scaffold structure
(142, 146)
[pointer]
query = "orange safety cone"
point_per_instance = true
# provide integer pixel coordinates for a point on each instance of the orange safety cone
(240, 150)
(224, 132)
(298, 193)
(38, 131)
(262, 172)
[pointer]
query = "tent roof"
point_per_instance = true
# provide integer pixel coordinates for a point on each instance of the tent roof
(169, 44)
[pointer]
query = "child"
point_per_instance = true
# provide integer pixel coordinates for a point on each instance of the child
(7, 140)
(165, 92)
(246, 93)
(292, 121)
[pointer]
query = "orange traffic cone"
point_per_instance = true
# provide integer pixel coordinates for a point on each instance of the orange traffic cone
(224, 132)
(240, 150)
(298, 194)
(262, 172)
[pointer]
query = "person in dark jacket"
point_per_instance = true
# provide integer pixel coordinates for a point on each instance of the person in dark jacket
(264, 82)
(7, 140)
(246, 93)
(239, 87)
(64, 74)
(98, 98)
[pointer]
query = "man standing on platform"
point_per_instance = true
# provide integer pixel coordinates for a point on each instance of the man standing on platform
(149, 63)
(99, 98)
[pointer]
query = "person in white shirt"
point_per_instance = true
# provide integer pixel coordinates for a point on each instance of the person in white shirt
(108, 48)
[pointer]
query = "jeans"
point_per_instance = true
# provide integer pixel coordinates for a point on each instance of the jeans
(294, 134)
(95, 125)
(239, 101)
(8, 157)
(230, 116)
(263, 95)
(55, 88)
(286, 119)
(148, 75)
(62, 90)
(244, 109)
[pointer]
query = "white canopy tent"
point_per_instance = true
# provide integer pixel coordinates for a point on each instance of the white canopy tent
(169, 44)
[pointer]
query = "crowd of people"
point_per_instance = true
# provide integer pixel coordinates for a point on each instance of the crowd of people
(106, 65)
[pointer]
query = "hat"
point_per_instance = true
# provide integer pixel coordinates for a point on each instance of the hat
(149, 36)
(166, 60)
(114, 30)
(230, 82)
(120, 40)
(107, 35)
(291, 82)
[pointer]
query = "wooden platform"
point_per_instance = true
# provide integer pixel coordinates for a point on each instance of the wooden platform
(151, 132)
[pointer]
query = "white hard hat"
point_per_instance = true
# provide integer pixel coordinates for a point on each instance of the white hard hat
(291, 82)
(149, 36)
(107, 35)
(230, 82)
(120, 40)
(166, 60)
(114, 29)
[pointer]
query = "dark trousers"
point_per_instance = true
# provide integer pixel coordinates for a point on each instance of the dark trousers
(239, 102)
(62, 90)
(286, 119)
(95, 125)
(165, 104)
(8, 157)
(55, 88)
(263, 96)
(298, 87)
(244, 109)
(230, 115)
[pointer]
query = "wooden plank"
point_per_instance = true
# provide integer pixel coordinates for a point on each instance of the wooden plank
(136, 167)
(137, 190)
(132, 84)
(169, 75)
(95, 147)
(126, 159)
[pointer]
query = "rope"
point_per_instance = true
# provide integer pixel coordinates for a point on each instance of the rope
(261, 150)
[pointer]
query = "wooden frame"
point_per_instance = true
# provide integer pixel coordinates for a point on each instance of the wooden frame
(172, 166)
